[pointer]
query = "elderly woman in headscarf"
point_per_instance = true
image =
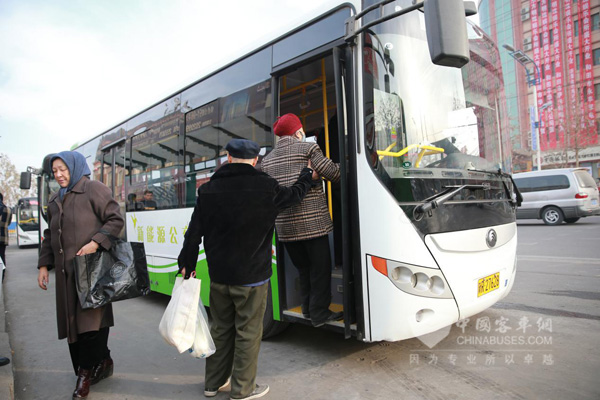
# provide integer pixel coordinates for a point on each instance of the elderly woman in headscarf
(79, 215)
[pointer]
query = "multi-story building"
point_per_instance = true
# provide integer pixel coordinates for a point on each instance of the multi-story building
(552, 52)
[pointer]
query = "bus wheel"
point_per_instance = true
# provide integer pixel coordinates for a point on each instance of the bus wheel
(552, 216)
(271, 327)
(571, 220)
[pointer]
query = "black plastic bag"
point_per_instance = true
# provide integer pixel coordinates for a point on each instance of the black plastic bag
(111, 275)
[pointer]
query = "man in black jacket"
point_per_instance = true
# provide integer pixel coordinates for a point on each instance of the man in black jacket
(235, 213)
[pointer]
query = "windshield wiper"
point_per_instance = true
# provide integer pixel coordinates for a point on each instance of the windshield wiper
(440, 198)
(517, 199)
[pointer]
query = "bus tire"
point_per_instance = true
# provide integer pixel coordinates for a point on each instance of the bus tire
(271, 327)
(552, 215)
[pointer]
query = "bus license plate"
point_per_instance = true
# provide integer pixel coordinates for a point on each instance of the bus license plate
(488, 284)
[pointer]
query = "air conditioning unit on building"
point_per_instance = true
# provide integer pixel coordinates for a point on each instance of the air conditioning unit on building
(527, 47)
(525, 14)
(526, 41)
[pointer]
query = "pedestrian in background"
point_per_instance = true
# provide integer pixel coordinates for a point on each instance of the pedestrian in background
(235, 213)
(5, 218)
(303, 229)
(77, 214)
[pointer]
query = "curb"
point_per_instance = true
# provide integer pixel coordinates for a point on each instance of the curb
(7, 379)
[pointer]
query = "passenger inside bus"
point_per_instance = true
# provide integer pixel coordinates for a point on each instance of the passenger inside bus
(149, 203)
(133, 204)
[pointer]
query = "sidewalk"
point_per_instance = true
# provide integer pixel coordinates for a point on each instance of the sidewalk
(7, 380)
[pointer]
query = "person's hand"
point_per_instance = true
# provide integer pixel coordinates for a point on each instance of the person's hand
(89, 248)
(43, 278)
(315, 174)
(192, 274)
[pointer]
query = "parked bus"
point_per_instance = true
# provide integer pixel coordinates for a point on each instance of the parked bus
(410, 99)
(28, 223)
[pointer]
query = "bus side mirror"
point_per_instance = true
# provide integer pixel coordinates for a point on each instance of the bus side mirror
(447, 32)
(47, 165)
(25, 180)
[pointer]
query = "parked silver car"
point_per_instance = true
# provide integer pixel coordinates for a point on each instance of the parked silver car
(557, 195)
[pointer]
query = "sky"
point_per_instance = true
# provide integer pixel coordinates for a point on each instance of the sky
(72, 69)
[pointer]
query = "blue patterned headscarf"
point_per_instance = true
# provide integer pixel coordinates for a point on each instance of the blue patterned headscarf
(77, 166)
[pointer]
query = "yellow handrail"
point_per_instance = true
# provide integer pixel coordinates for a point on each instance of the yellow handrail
(387, 149)
(409, 148)
(425, 151)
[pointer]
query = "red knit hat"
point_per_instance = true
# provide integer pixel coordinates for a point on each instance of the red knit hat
(287, 125)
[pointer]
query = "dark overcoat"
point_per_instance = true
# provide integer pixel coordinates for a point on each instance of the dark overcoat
(235, 214)
(73, 222)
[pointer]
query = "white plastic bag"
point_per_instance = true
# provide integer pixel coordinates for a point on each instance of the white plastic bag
(178, 323)
(203, 346)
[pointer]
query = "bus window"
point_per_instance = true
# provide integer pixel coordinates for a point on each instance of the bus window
(245, 114)
(155, 165)
(201, 148)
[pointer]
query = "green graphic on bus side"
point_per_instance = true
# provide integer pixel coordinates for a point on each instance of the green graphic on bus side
(163, 282)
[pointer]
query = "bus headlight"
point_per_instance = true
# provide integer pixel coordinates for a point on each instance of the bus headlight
(413, 279)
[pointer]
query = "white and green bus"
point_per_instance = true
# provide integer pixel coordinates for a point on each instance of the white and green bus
(408, 96)
(28, 224)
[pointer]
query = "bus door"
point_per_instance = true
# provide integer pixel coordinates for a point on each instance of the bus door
(313, 90)
(111, 171)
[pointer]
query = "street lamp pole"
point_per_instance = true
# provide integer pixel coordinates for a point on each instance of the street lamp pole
(532, 80)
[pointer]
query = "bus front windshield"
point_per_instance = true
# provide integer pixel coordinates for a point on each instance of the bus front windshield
(28, 214)
(429, 122)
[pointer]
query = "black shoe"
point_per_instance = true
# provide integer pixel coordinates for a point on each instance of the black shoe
(334, 316)
(4, 361)
(102, 370)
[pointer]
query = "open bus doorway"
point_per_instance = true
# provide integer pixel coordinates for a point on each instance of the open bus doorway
(309, 91)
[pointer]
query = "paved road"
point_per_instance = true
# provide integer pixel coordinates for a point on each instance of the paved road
(542, 341)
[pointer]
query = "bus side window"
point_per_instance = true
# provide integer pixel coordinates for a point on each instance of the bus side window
(154, 166)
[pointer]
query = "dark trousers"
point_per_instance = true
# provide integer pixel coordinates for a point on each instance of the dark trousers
(237, 325)
(312, 258)
(89, 349)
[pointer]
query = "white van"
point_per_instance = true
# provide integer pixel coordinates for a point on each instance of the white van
(557, 195)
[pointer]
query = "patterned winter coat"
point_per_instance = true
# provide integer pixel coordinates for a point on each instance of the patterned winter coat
(310, 219)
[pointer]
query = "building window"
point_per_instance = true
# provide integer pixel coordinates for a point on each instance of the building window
(556, 131)
(539, 8)
(543, 71)
(576, 28)
(551, 36)
(596, 91)
(549, 5)
(577, 61)
(541, 40)
(554, 100)
(596, 56)
(553, 66)
(595, 21)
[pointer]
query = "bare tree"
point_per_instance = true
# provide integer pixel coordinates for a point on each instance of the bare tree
(10, 180)
(577, 129)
